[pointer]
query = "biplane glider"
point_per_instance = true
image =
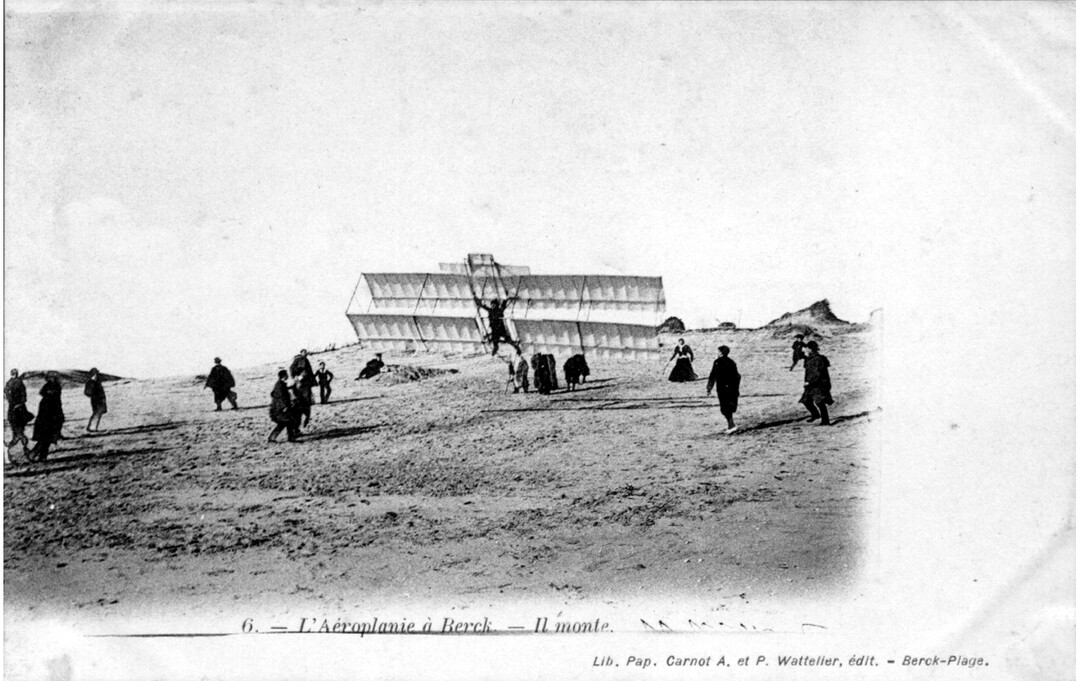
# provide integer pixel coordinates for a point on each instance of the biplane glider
(472, 307)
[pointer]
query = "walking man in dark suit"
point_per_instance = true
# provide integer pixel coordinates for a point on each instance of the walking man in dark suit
(817, 386)
(221, 382)
(324, 376)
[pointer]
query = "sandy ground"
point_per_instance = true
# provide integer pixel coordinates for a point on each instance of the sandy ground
(448, 489)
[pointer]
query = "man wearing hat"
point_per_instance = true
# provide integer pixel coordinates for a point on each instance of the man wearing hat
(817, 386)
(796, 350)
(221, 382)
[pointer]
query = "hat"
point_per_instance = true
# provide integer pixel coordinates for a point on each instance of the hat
(812, 345)
(217, 360)
(798, 335)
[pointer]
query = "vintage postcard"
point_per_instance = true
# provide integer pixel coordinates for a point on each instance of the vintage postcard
(601, 340)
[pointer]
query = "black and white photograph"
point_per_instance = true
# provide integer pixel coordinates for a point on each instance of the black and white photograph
(527, 340)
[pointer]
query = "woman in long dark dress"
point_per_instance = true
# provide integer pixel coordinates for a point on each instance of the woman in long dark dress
(50, 418)
(684, 364)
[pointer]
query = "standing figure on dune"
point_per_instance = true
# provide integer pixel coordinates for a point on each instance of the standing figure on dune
(17, 414)
(221, 382)
(797, 351)
(575, 370)
(684, 364)
(725, 376)
(281, 409)
(519, 371)
(324, 377)
(301, 403)
(301, 371)
(817, 386)
(50, 418)
(541, 373)
(98, 406)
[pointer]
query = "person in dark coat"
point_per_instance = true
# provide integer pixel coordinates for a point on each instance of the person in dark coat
(541, 374)
(324, 377)
(301, 367)
(817, 386)
(305, 381)
(575, 370)
(519, 370)
(17, 414)
(222, 383)
(725, 376)
(553, 371)
(281, 409)
(372, 368)
(301, 403)
(50, 418)
(98, 406)
(797, 351)
(684, 364)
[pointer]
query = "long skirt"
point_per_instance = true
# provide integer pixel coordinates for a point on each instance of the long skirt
(683, 371)
(49, 423)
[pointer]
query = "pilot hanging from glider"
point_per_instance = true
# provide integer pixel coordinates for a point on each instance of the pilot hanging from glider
(497, 331)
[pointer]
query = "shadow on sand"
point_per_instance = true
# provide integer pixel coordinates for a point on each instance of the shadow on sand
(132, 430)
(602, 404)
(803, 418)
(335, 433)
(58, 463)
(316, 403)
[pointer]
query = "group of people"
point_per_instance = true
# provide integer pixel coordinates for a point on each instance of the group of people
(817, 385)
(49, 421)
(293, 393)
(575, 371)
(290, 406)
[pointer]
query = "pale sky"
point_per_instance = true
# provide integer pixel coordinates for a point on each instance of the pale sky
(185, 183)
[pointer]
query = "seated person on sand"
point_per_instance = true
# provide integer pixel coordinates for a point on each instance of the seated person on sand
(372, 368)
